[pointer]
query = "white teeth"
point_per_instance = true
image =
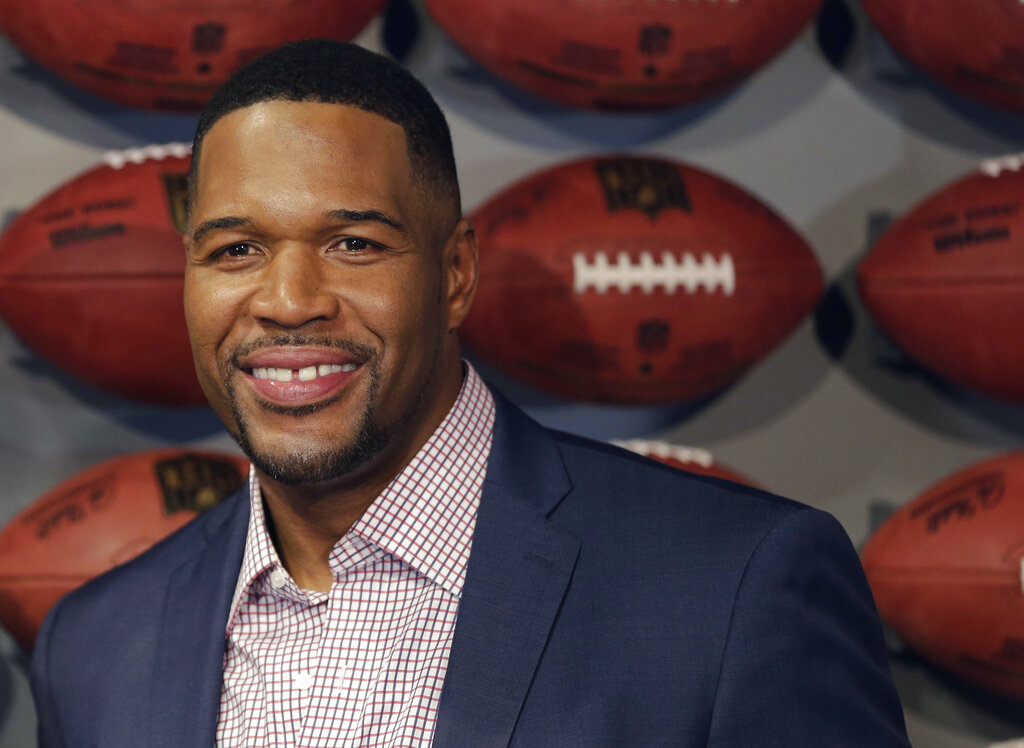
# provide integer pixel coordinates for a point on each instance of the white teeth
(305, 374)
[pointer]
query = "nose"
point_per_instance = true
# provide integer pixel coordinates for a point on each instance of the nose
(293, 291)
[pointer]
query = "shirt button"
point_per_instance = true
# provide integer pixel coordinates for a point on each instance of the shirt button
(303, 681)
(341, 681)
(278, 578)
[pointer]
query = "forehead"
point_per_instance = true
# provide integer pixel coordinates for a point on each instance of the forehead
(275, 146)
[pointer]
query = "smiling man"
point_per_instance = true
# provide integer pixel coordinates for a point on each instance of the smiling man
(414, 561)
(325, 283)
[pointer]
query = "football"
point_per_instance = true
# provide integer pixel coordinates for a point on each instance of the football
(623, 55)
(974, 48)
(947, 572)
(168, 54)
(690, 459)
(946, 280)
(91, 277)
(629, 279)
(99, 518)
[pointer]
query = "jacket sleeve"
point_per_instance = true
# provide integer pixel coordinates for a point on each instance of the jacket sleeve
(48, 727)
(805, 661)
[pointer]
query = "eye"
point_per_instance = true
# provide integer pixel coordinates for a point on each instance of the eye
(356, 248)
(355, 244)
(236, 251)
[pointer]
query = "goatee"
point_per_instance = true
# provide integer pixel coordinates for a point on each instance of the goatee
(314, 466)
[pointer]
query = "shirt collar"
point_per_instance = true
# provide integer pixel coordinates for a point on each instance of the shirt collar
(427, 514)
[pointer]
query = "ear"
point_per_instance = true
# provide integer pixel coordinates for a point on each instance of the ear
(461, 272)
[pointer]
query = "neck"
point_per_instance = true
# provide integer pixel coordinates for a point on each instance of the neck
(305, 527)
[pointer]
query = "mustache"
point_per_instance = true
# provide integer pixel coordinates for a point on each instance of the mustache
(362, 352)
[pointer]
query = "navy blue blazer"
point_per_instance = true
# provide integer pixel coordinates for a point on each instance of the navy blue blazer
(609, 601)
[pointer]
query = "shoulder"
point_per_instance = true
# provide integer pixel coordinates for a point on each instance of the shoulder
(644, 527)
(615, 502)
(140, 584)
(633, 490)
(97, 652)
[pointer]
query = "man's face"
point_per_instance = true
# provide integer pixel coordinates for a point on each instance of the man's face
(322, 290)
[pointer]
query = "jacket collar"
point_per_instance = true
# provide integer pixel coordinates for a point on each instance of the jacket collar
(519, 569)
(187, 678)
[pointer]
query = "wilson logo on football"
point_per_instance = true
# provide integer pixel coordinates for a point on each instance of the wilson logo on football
(666, 272)
(963, 501)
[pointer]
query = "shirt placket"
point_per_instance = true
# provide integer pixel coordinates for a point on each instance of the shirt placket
(337, 692)
(295, 677)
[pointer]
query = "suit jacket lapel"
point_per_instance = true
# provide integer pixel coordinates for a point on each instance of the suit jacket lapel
(185, 696)
(519, 568)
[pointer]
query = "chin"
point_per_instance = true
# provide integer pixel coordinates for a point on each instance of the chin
(302, 469)
(316, 461)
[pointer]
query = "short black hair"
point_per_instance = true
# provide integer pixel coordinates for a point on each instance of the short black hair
(331, 72)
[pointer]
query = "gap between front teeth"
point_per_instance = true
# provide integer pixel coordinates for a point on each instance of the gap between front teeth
(305, 374)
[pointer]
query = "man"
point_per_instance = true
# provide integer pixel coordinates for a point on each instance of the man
(415, 561)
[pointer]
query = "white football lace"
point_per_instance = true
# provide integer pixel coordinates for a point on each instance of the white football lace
(995, 167)
(665, 450)
(119, 159)
(648, 273)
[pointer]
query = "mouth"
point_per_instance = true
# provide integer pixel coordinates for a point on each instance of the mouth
(296, 377)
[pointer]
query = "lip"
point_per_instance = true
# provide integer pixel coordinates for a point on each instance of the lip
(297, 393)
(293, 357)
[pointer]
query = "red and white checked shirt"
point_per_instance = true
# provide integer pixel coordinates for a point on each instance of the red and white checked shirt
(362, 665)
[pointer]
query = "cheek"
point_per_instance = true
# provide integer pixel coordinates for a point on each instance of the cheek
(400, 309)
(418, 311)
(420, 336)
(211, 311)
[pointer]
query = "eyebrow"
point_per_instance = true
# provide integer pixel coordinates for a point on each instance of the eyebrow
(358, 216)
(340, 214)
(227, 222)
